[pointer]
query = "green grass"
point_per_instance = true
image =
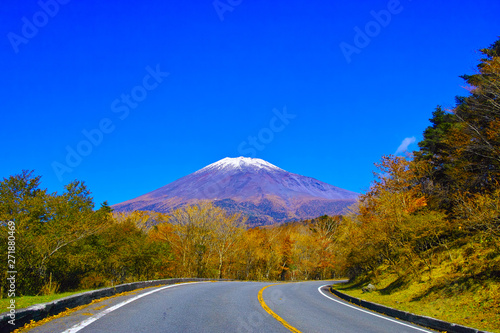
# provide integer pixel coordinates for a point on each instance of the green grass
(27, 301)
(464, 291)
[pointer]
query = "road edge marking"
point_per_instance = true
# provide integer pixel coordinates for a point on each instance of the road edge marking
(87, 322)
(272, 313)
(370, 312)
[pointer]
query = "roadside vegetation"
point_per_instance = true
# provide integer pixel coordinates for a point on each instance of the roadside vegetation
(447, 296)
(426, 234)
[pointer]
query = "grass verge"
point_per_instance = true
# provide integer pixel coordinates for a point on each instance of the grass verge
(27, 301)
(470, 302)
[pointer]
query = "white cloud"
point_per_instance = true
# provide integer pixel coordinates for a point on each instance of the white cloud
(404, 145)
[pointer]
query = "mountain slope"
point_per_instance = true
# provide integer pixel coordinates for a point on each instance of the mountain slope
(261, 190)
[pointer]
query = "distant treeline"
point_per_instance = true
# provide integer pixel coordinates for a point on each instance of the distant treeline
(64, 244)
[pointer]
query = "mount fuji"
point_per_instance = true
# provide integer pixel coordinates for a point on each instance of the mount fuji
(258, 189)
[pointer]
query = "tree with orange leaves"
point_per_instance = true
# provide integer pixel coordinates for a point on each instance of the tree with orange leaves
(392, 223)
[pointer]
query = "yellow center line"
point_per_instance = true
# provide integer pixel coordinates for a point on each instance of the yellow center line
(271, 312)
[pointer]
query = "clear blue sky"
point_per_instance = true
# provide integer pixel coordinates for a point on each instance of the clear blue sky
(100, 68)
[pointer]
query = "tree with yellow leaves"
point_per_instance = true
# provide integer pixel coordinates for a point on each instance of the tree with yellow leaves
(203, 236)
(46, 223)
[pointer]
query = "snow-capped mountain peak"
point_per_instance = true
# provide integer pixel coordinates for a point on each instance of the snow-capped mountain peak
(258, 189)
(239, 163)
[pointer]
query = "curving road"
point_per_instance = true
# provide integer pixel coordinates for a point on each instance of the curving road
(228, 307)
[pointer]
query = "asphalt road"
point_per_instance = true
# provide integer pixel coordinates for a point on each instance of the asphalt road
(228, 307)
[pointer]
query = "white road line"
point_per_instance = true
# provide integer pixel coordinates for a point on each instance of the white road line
(369, 312)
(101, 314)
